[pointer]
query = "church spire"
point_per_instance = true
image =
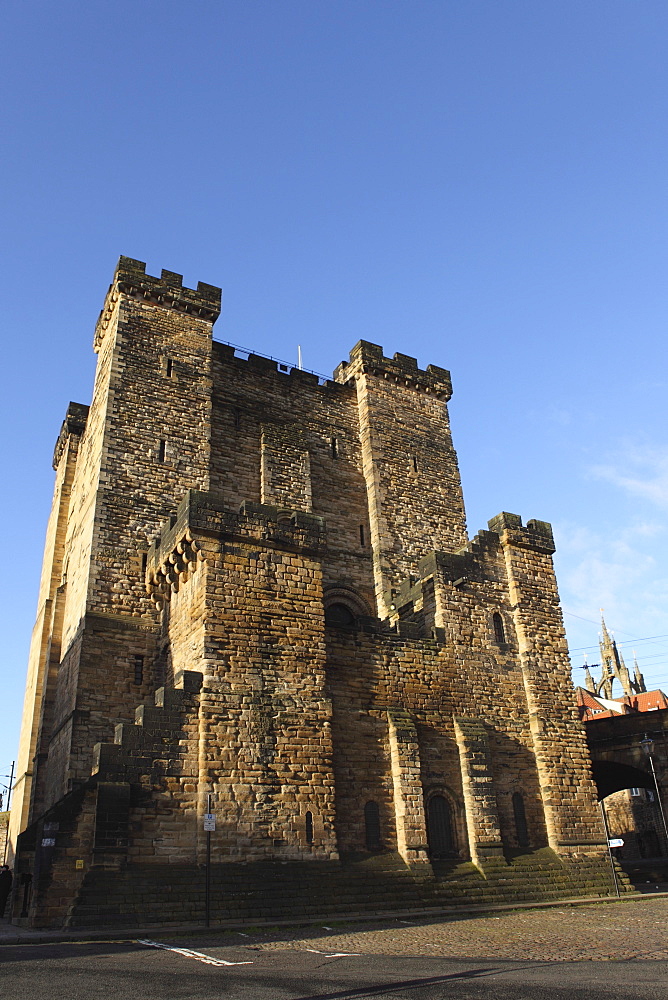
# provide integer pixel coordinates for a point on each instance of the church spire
(608, 661)
(589, 680)
(613, 667)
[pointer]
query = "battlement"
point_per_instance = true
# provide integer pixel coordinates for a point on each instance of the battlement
(168, 289)
(367, 358)
(454, 568)
(73, 424)
(467, 565)
(262, 364)
(536, 535)
(130, 278)
(175, 553)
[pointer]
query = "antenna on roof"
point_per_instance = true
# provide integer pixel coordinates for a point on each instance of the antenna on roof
(299, 357)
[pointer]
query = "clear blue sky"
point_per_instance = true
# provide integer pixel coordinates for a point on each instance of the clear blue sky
(480, 184)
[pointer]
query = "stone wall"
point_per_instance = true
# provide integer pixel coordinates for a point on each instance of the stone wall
(251, 605)
(410, 467)
(45, 648)
(255, 402)
(4, 833)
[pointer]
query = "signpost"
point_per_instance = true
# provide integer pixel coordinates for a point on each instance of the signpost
(9, 797)
(209, 828)
(611, 844)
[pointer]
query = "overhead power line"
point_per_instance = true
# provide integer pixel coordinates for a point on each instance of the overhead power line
(624, 642)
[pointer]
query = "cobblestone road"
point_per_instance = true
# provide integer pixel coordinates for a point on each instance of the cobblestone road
(598, 932)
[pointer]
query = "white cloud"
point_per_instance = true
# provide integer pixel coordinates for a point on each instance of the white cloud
(625, 572)
(605, 570)
(639, 471)
(619, 561)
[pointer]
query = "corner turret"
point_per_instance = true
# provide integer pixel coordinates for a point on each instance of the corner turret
(367, 358)
(130, 278)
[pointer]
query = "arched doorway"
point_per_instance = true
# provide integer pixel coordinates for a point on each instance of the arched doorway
(339, 615)
(440, 833)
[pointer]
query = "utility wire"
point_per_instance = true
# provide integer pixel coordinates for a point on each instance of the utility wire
(624, 642)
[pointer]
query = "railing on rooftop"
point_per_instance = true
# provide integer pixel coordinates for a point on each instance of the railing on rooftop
(283, 366)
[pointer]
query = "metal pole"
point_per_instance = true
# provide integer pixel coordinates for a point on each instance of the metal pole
(658, 799)
(11, 781)
(207, 893)
(9, 798)
(607, 838)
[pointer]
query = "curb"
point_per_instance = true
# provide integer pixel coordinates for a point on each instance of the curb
(10, 934)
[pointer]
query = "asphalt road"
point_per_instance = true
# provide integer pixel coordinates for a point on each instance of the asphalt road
(133, 971)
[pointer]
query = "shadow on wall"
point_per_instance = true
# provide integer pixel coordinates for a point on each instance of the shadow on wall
(519, 800)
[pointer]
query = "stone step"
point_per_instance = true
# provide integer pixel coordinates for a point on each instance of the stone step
(273, 890)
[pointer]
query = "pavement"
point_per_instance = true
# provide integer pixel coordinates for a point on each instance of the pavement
(593, 951)
(14, 934)
(135, 971)
(633, 927)
(630, 929)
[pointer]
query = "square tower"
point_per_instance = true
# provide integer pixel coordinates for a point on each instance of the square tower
(259, 599)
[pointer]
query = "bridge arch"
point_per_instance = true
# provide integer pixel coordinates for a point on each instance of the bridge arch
(613, 775)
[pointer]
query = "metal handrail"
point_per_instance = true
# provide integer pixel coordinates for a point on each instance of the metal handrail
(269, 357)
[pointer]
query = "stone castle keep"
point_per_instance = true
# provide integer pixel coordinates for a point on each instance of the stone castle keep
(258, 587)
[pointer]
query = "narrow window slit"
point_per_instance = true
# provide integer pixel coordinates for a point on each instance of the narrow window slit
(139, 669)
(161, 451)
(415, 463)
(362, 540)
(499, 631)
(335, 447)
(309, 827)
(144, 561)
(372, 826)
(169, 367)
(521, 828)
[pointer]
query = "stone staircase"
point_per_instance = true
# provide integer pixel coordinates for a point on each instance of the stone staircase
(647, 871)
(361, 885)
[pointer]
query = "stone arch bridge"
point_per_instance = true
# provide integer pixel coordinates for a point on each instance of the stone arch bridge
(618, 760)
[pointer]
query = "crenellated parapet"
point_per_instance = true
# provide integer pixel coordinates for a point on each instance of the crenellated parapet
(536, 535)
(202, 517)
(74, 425)
(452, 568)
(238, 361)
(131, 279)
(475, 564)
(368, 359)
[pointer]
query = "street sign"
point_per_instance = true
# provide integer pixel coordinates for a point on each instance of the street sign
(617, 842)
(209, 822)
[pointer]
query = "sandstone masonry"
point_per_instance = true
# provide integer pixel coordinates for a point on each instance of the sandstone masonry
(258, 588)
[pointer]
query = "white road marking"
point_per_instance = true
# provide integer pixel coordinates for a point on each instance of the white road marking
(333, 954)
(188, 953)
